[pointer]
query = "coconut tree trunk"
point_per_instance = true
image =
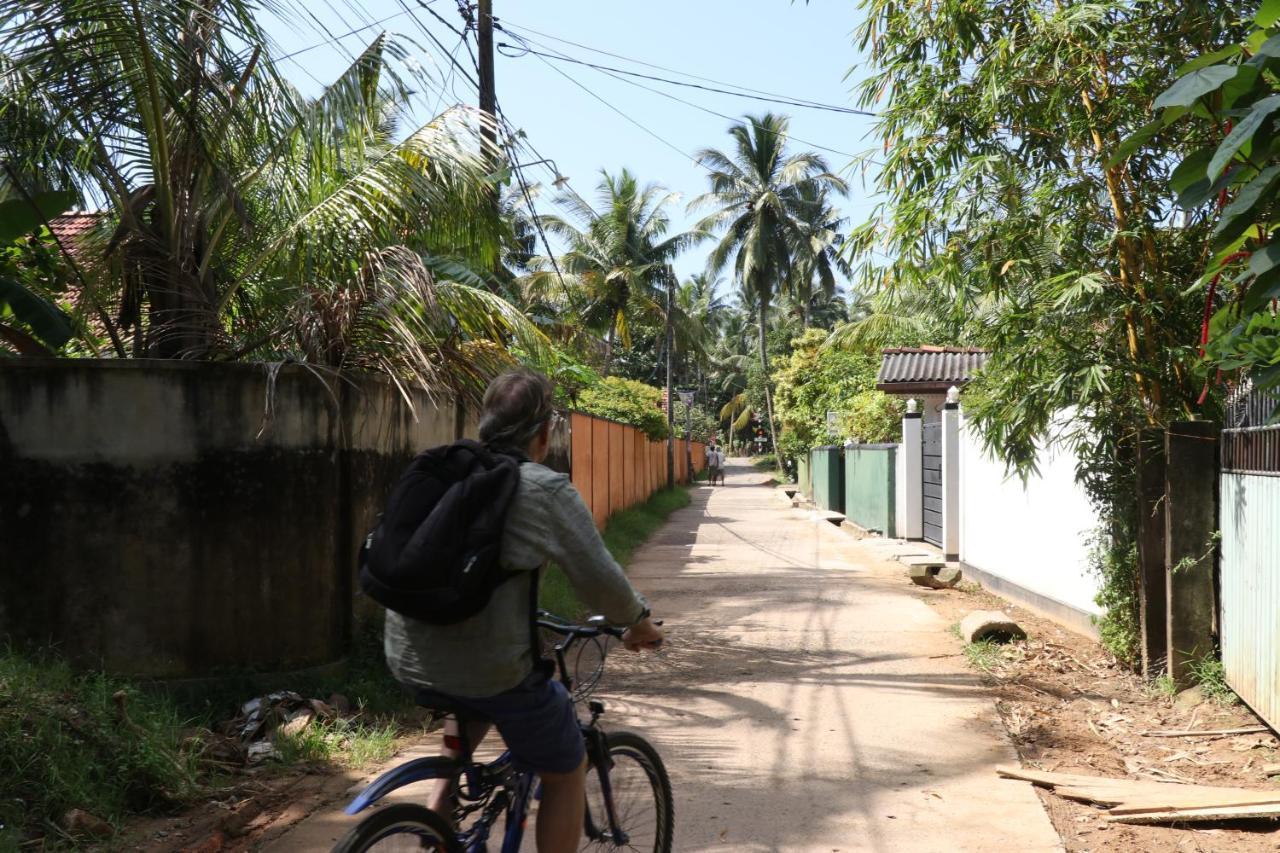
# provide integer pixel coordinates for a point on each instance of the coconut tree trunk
(764, 366)
(608, 348)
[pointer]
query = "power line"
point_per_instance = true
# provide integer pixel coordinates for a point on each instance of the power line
(691, 104)
(651, 64)
(810, 105)
(633, 121)
(443, 50)
(347, 34)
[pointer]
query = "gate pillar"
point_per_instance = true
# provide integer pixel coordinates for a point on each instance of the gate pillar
(912, 523)
(951, 475)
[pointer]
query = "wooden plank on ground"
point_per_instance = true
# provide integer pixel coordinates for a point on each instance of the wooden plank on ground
(1253, 812)
(1247, 730)
(1129, 798)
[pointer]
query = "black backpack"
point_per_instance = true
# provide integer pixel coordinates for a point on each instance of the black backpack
(434, 554)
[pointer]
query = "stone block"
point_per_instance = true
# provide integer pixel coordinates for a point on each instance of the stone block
(934, 576)
(991, 625)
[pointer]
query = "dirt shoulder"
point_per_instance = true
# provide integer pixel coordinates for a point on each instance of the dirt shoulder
(1070, 707)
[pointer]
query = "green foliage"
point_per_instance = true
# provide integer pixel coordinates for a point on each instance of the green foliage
(241, 218)
(32, 278)
(1117, 570)
(814, 380)
(770, 207)
(628, 402)
(983, 656)
(1164, 686)
(766, 461)
(1235, 87)
(63, 745)
(353, 743)
(617, 266)
(696, 423)
(1211, 676)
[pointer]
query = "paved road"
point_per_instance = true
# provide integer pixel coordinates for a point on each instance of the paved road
(805, 701)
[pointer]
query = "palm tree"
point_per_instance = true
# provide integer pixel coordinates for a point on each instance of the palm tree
(758, 195)
(816, 252)
(617, 259)
(241, 217)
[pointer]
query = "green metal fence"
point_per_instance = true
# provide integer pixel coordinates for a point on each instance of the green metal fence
(870, 474)
(827, 472)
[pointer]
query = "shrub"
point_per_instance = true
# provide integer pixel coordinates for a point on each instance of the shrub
(628, 402)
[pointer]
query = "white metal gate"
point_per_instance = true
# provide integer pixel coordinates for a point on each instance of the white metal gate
(1249, 519)
(931, 487)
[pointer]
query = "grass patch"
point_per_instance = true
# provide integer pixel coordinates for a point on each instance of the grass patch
(344, 741)
(765, 460)
(623, 534)
(64, 745)
(954, 629)
(983, 655)
(1163, 686)
(1210, 674)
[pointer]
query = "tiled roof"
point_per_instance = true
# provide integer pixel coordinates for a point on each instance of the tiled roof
(67, 227)
(928, 369)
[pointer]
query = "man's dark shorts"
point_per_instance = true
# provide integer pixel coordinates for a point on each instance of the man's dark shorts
(536, 720)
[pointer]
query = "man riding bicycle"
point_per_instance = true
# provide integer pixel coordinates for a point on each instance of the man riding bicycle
(485, 663)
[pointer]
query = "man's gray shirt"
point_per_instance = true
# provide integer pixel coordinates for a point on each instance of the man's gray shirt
(490, 652)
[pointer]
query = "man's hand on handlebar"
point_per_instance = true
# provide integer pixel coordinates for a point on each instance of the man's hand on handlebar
(645, 634)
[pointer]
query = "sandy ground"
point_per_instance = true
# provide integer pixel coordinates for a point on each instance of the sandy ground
(807, 699)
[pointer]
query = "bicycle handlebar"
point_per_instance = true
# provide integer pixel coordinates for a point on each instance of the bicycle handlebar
(575, 631)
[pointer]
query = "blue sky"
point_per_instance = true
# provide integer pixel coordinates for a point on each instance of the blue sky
(800, 50)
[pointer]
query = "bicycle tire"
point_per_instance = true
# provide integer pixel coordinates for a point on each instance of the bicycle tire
(630, 753)
(401, 818)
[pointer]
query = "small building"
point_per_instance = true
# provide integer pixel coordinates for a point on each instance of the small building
(925, 374)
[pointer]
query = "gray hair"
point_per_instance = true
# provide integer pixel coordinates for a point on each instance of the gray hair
(516, 405)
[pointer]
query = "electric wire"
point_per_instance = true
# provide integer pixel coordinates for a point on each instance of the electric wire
(347, 34)
(811, 105)
(666, 68)
(687, 103)
(717, 113)
(624, 115)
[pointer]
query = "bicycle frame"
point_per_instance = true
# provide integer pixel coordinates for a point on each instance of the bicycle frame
(509, 788)
(498, 787)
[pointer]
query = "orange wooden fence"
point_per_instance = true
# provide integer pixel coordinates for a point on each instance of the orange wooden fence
(615, 466)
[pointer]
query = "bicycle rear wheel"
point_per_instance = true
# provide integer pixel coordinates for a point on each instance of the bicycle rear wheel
(641, 794)
(400, 828)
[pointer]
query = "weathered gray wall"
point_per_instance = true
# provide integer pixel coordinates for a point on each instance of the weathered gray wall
(168, 519)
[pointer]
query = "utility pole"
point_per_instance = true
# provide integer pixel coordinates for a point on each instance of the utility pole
(671, 399)
(489, 111)
(488, 91)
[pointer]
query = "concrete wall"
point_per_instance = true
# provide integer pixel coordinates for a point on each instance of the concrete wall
(170, 519)
(166, 519)
(1029, 541)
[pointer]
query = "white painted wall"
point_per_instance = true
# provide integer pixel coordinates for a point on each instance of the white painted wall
(899, 494)
(1035, 535)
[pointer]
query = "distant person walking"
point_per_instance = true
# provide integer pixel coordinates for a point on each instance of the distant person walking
(715, 465)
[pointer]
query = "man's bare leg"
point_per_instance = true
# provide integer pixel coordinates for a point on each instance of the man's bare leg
(442, 796)
(561, 812)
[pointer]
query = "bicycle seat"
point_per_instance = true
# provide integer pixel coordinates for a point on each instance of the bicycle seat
(442, 704)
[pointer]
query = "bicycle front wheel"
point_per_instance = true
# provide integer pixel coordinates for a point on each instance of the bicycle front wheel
(641, 797)
(400, 828)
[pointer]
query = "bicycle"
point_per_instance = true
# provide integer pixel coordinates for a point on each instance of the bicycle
(624, 773)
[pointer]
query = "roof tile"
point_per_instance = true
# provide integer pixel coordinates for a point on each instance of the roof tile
(905, 366)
